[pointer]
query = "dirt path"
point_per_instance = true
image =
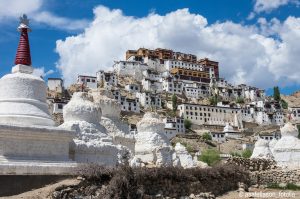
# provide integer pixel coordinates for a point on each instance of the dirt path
(42, 193)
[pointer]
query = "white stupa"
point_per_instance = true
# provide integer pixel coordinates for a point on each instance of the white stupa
(92, 143)
(29, 142)
(287, 149)
(111, 109)
(262, 150)
(152, 145)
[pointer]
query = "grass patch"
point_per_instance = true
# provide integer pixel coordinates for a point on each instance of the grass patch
(288, 186)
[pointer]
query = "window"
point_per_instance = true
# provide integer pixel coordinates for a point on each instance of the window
(88, 80)
(59, 106)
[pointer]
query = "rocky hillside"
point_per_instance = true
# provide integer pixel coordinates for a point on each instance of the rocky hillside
(293, 99)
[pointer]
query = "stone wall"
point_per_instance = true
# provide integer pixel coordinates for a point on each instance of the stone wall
(275, 176)
(253, 164)
(263, 171)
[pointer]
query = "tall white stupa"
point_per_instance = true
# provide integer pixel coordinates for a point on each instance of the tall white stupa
(29, 141)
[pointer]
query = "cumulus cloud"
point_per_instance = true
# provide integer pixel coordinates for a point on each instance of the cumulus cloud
(254, 55)
(12, 9)
(269, 5)
(40, 72)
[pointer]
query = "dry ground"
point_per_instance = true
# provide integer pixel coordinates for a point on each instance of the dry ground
(43, 193)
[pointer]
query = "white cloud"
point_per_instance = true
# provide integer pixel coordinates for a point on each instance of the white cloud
(40, 72)
(12, 9)
(59, 22)
(247, 54)
(269, 5)
(15, 8)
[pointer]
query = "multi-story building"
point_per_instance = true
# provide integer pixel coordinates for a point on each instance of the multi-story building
(211, 115)
(174, 126)
(294, 113)
(172, 64)
(152, 75)
(87, 81)
(149, 100)
(190, 75)
(133, 88)
(196, 90)
(171, 85)
(129, 104)
(270, 135)
(55, 84)
(218, 136)
(161, 54)
(107, 78)
(56, 105)
(154, 86)
(130, 68)
(212, 66)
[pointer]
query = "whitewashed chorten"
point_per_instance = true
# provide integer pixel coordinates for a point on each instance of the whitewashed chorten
(29, 141)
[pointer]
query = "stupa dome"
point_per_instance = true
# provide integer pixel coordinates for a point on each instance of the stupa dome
(150, 123)
(228, 128)
(289, 130)
(82, 108)
(262, 150)
(110, 107)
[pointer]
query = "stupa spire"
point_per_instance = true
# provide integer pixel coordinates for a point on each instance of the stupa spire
(23, 52)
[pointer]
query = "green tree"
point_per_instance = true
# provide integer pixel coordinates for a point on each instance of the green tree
(187, 124)
(210, 156)
(213, 100)
(276, 93)
(174, 102)
(284, 104)
(240, 100)
(206, 136)
(246, 153)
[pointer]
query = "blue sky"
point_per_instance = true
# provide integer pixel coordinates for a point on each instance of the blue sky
(54, 20)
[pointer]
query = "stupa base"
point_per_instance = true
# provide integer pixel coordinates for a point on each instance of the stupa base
(34, 167)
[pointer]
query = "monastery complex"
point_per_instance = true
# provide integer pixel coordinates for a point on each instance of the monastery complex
(156, 108)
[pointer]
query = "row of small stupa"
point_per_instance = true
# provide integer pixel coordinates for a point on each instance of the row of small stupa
(91, 133)
(285, 151)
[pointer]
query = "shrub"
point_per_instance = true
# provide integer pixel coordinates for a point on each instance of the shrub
(214, 100)
(206, 136)
(187, 124)
(246, 153)
(240, 100)
(210, 156)
(135, 183)
(235, 154)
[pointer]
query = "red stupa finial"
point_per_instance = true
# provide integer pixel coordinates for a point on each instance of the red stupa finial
(23, 52)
